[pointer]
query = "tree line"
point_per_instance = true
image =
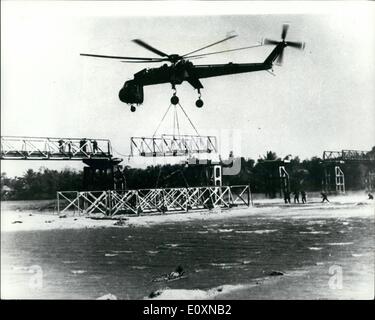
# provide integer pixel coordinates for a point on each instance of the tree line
(262, 175)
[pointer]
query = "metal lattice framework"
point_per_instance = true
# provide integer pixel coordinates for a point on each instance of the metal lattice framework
(172, 145)
(348, 155)
(32, 148)
(334, 158)
(339, 180)
(114, 202)
(284, 179)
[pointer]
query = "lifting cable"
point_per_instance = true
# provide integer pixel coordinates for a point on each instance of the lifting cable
(123, 155)
(176, 130)
(189, 119)
(157, 180)
(161, 121)
(176, 122)
(170, 175)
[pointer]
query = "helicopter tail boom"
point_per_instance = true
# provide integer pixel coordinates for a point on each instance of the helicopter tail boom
(276, 52)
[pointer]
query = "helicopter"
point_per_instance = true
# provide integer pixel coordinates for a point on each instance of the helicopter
(182, 69)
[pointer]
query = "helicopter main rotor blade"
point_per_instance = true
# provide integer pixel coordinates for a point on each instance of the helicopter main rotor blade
(144, 61)
(152, 61)
(284, 31)
(148, 47)
(269, 41)
(297, 45)
(116, 57)
(210, 45)
(223, 51)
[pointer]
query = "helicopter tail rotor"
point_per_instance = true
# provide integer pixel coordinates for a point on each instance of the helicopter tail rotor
(278, 53)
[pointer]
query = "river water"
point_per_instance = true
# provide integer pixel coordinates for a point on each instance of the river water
(89, 263)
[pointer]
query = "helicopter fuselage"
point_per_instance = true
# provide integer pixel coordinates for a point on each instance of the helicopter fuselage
(177, 73)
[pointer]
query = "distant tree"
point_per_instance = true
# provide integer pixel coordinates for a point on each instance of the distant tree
(42, 184)
(271, 156)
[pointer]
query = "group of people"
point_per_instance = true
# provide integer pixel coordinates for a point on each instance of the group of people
(83, 143)
(303, 196)
(296, 196)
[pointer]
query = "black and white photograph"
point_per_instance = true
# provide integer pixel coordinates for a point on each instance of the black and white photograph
(187, 150)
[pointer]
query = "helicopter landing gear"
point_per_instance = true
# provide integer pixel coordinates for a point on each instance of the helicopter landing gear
(174, 99)
(199, 103)
(132, 108)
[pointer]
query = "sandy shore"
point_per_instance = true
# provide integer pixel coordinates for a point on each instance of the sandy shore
(26, 219)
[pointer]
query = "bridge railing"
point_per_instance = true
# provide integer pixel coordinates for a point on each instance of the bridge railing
(39, 148)
(170, 145)
(149, 201)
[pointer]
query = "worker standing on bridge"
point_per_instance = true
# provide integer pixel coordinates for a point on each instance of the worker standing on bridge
(303, 196)
(69, 144)
(61, 145)
(82, 145)
(94, 146)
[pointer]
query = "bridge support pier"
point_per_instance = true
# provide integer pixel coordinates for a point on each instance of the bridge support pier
(284, 181)
(339, 181)
(370, 181)
(99, 174)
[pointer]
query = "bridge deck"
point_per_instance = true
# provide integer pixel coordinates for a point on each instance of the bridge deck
(172, 145)
(31, 148)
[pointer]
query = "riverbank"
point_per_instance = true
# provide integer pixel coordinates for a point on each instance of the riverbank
(24, 216)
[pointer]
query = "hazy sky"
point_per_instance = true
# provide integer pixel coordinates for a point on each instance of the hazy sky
(320, 99)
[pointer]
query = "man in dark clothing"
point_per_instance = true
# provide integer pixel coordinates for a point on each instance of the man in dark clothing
(82, 145)
(61, 145)
(296, 197)
(286, 196)
(303, 195)
(324, 197)
(69, 144)
(94, 146)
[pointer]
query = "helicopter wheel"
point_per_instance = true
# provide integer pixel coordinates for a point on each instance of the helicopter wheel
(132, 108)
(174, 99)
(199, 103)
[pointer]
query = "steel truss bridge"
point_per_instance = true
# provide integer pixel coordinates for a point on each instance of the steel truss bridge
(348, 155)
(172, 145)
(333, 159)
(95, 153)
(140, 201)
(37, 148)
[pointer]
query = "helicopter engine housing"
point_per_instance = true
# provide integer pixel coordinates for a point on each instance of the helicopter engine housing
(131, 93)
